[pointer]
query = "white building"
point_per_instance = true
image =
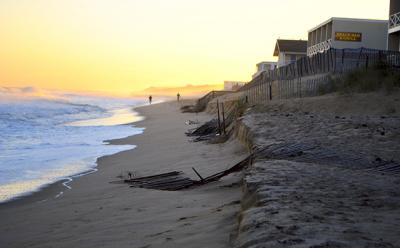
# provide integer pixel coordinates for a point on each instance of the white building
(233, 85)
(264, 66)
(343, 33)
(288, 51)
(394, 26)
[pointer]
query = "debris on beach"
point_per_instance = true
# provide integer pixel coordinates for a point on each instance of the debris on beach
(218, 129)
(177, 180)
(299, 152)
(174, 180)
(208, 128)
(190, 122)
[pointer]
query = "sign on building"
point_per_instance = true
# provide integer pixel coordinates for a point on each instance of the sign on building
(348, 36)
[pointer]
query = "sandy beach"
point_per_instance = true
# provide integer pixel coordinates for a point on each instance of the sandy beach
(330, 174)
(97, 213)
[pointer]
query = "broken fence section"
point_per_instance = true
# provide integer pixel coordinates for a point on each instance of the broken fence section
(300, 152)
(177, 180)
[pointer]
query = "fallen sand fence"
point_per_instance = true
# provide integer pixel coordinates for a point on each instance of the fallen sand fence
(223, 125)
(298, 152)
(177, 180)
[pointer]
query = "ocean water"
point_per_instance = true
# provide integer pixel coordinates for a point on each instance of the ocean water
(44, 139)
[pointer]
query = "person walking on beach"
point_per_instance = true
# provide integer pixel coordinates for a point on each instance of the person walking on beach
(178, 96)
(150, 98)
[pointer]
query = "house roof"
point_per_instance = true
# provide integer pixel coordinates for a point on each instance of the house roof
(347, 20)
(294, 46)
(267, 62)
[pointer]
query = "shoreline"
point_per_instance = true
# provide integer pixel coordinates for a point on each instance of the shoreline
(52, 190)
(98, 212)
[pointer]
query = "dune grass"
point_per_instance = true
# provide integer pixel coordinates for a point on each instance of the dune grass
(375, 78)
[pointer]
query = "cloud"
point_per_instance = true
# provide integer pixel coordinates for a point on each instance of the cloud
(25, 93)
(28, 89)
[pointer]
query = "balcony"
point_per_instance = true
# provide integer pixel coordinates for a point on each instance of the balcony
(319, 48)
(394, 23)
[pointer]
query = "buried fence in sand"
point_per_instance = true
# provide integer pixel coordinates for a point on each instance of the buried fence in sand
(311, 76)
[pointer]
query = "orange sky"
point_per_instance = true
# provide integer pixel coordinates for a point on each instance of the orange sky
(122, 46)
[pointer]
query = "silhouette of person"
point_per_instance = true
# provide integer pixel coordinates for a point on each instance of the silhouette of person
(150, 99)
(178, 96)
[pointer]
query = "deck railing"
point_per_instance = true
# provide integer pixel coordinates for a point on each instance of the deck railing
(320, 47)
(394, 20)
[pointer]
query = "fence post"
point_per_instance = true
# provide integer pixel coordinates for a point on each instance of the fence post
(380, 57)
(223, 118)
(270, 91)
(343, 52)
(219, 120)
(300, 88)
(329, 60)
(334, 67)
(359, 57)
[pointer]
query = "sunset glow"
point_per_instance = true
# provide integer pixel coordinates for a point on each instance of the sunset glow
(126, 46)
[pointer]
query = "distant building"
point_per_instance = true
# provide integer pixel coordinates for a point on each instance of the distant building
(343, 33)
(288, 51)
(264, 66)
(394, 26)
(233, 85)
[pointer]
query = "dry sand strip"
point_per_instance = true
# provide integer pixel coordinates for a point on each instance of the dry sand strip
(96, 213)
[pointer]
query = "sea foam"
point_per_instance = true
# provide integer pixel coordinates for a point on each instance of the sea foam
(44, 140)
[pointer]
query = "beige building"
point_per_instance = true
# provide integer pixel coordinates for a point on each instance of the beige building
(343, 33)
(288, 51)
(264, 66)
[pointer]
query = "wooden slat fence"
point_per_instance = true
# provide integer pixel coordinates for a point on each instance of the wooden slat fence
(305, 76)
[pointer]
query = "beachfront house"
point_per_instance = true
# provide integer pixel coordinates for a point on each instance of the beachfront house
(343, 33)
(394, 26)
(264, 66)
(288, 51)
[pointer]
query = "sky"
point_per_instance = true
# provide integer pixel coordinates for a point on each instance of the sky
(123, 46)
